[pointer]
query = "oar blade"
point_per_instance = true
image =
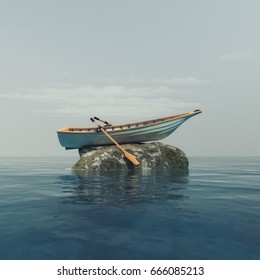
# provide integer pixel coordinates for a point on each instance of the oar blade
(131, 158)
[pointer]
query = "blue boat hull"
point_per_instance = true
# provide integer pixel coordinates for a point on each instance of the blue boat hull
(129, 133)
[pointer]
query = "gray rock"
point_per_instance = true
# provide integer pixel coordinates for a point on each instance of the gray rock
(152, 156)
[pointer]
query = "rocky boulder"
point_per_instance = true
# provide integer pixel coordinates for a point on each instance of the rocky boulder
(150, 155)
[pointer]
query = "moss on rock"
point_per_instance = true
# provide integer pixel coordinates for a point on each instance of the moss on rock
(150, 155)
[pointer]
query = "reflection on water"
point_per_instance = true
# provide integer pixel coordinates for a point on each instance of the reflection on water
(125, 188)
(47, 212)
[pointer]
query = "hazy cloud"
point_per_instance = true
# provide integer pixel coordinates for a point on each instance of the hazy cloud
(138, 98)
(237, 55)
(3, 33)
(134, 81)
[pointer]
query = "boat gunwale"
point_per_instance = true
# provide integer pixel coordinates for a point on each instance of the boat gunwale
(128, 126)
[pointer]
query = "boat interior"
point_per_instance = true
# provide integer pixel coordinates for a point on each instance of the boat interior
(129, 125)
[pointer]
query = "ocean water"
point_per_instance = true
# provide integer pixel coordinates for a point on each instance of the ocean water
(49, 212)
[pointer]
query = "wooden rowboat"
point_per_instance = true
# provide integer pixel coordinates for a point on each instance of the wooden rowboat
(151, 130)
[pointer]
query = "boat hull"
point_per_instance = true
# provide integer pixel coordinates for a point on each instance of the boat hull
(132, 133)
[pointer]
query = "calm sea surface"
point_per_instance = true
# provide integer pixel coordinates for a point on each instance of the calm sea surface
(49, 212)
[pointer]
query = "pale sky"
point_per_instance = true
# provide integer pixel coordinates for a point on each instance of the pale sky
(63, 62)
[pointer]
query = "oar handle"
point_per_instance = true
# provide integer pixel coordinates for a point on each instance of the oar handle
(105, 122)
(99, 127)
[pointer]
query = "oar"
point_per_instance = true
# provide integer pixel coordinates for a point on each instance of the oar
(127, 154)
(105, 122)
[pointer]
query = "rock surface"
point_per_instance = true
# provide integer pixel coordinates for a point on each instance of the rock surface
(150, 155)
